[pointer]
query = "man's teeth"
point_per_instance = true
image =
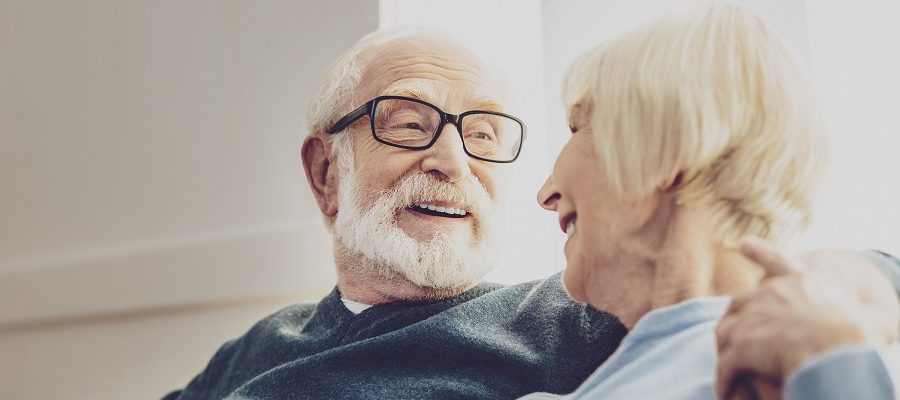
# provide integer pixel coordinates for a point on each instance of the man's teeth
(445, 210)
(570, 228)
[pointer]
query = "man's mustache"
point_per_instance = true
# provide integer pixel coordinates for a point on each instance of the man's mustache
(420, 187)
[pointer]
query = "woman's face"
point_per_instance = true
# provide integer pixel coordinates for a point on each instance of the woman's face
(599, 223)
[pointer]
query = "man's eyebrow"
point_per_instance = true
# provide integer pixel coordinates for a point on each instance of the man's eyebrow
(420, 92)
(427, 93)
(484, 104)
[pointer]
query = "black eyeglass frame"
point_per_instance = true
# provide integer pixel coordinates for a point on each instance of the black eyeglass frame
(368, 109)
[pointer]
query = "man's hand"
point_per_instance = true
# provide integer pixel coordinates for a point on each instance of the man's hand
(802, 308)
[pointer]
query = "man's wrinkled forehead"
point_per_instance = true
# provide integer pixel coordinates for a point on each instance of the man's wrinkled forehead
(431, 69)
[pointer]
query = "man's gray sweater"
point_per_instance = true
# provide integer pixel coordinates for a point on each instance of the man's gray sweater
(492, 342)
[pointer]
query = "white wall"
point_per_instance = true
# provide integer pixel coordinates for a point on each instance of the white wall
(855, 57)
(152, 202)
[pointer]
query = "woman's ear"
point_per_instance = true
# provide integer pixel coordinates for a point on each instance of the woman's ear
(320, 173)
(674, 183)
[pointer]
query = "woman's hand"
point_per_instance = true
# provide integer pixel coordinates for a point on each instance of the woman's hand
(802, 308)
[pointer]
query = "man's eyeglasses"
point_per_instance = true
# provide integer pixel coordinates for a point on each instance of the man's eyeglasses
(414, 124)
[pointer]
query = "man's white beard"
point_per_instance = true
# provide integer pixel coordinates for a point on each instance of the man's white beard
(368, 227)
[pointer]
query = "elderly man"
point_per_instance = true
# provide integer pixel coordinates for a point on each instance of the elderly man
(408, 138)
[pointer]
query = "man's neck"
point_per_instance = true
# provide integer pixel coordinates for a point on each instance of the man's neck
(364, 281)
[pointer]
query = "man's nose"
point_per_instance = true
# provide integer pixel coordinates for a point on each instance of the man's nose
(548, 196)
(446, 156)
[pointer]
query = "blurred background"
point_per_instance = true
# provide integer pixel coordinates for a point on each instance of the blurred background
(152, 203)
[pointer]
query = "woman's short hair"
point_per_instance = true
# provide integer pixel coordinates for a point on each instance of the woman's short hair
(716, 100)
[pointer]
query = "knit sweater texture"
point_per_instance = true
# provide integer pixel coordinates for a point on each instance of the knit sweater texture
(491, 342)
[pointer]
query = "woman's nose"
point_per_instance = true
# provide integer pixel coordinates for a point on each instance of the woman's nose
(547, 196)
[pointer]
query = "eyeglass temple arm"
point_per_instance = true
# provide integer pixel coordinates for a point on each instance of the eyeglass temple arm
(350, 118)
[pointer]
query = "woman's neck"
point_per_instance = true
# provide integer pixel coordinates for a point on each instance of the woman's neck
(674, 259)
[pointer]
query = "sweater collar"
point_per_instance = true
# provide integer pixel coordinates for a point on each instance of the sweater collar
(331, 310)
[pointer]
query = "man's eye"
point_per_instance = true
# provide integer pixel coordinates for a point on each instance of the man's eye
(408, 125)
(480, 130)
(481, 135)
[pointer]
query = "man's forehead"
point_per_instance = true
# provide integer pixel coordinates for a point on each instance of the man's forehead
(438, 95)
(429, 69)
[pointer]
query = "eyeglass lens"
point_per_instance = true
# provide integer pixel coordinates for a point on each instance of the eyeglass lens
(413, 124)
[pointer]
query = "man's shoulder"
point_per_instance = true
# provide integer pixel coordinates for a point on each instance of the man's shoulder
(238, 360)
(542, 305)
(546, 294)
(300, 322)
(295, 315)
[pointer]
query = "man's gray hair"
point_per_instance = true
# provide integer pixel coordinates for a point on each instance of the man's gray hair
(336, 94)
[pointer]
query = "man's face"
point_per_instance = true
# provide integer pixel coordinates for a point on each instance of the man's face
(389, 185)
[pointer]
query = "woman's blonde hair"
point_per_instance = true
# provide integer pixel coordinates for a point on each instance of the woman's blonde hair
(716, 100)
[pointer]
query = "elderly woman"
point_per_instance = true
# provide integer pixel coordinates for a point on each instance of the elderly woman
(687, 136)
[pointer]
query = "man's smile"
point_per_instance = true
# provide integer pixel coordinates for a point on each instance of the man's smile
(439, 211)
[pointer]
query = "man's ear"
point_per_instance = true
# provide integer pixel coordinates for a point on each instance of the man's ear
(322, 176)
